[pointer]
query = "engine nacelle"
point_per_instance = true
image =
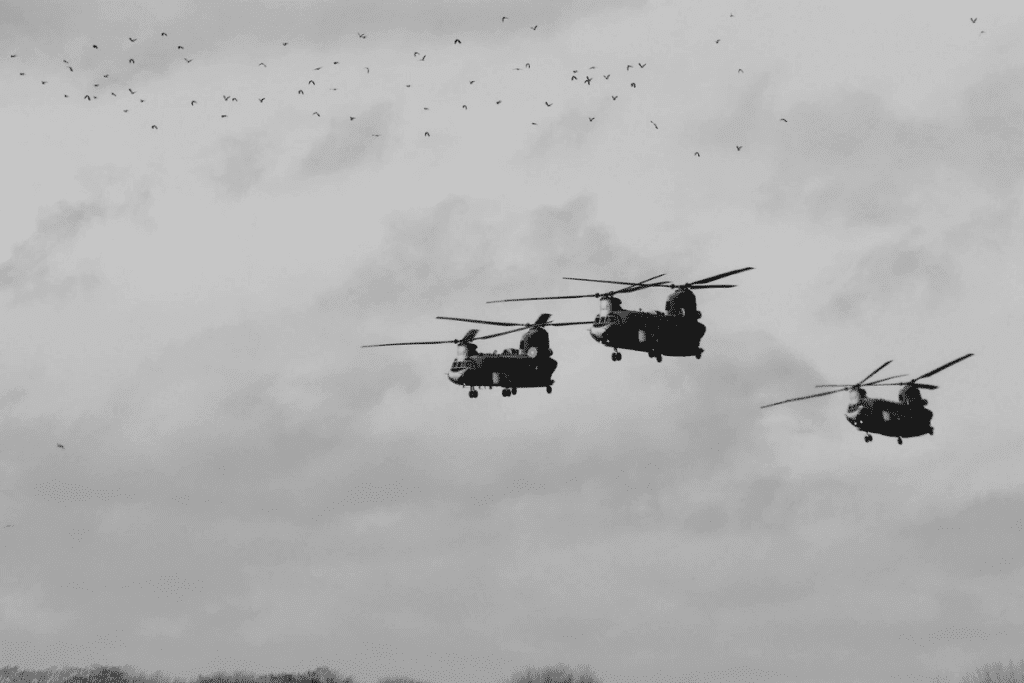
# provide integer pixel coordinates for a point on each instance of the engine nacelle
(536, 343)
(911, 395)
(682, 302)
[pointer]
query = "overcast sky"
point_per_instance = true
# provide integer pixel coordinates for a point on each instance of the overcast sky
(242, 486)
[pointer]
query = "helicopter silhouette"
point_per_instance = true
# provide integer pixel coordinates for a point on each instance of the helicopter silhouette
(675, 332)
(903, 418)
(530, 365)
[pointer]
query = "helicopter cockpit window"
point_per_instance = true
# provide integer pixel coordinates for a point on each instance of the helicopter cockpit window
(606, 306)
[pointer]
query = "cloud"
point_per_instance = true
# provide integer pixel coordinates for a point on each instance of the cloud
(349, 144)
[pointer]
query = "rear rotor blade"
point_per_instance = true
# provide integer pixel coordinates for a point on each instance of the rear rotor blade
(710, 286)
(801, 398)
(873, 373)
(877, 382)
(942, 367)
(908, 384)
(580, 322)
(719, 276)
(500, 334)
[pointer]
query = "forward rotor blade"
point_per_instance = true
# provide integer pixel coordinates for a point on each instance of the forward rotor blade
(481, 322)
(719, 277)
(448, 341)
(942, 367)
(873, 373)
(548, 298)
(801, 398)
(877, 382)
(500, 334)
(580, 322)
(908, 384)
(614, 282)
(841, 386)
(710, 286)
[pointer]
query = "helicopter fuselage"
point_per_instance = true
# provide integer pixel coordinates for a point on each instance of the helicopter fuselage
(889, 418)
(656, 333)
(510, 369)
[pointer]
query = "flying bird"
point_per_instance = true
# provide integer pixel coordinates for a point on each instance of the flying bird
(534, 28)
(60, 445)
(739, 147)
(534, 123)
(423, 58)
(362, 35)
(87, 97)
(974, 20)
(187, 60)
(106, 75)
(44, 82)
(131, 91)
(573, 77)
(367, 69)
(181, 47)
(632, 85)
(376, 135)
(153, 127)
(163, 34)
(22, 73)
(498, 102)
(614, 97)
(784, 120)
(458, 42)
(607, 76)
(337, 62)
(472, 82)
(311, 82)
(234, 99)
(226, 97)
(587, 81)
(503, 19)
(548, 103)
(316, 113)
(132, 39)
(351, 118)
(426, 134)
(70, 69)
(527, 65)
(696, 154)
(718, 41)
(317, 68)
(628, 67)
(739, 71)
(591, 118)
(223, 116)
(655, 125)
(301, 93)
(284, 43)
(131, 61)
(262, 98)
(641, 65)
(465, 107)
(96, 47)
(193, 103)
(262, 64)
(125, 111)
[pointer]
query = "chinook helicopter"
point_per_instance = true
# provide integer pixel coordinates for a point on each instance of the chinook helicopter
(676, 332)
(906, 417)
(531, 365)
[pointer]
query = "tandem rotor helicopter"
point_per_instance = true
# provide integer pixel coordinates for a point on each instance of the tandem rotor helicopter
(531, 365)
(676, 332)
(906, 417)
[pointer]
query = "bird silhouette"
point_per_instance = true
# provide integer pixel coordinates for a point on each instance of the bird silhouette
(60, 445)
(632, 85)
(70, 69)
(22, 73)
(641, 65)
(351, 118)
(498, 102)
(316, 113)
(131, 61)
(96, 47)
(784, 120)
(87, 97)
(696, 154)
(415, 54)
(262, 64)
(655, 125)
(284, 44)
(106, 75)
(337, 62)
(534, 123)
(458, 42)
(591, 118)
(503, 19)
(193, 103)
(718, 41)
(367, 69)
(44, 82)
(114, 94)
(301, 93)
(317, 68)
(362, 35)
(426, 108)
(131, 91)
(426, 134)
(376, 135)
(465, 107)
(187, 60)
(739, 147)
(628, 67)
(739, 71)
(262, 98)
(587, 81)
(974, 20)
(548, 103)
(607, 76)
(527, 65)
(180, 47)
(163, 34)
(223, 116)
(614, 97)
(472, 82)
(132, 39)
(573, 77)
(423, 58)
(226, 97)
(312, 83)
(125, 111)
(234, 99)
(534, 28)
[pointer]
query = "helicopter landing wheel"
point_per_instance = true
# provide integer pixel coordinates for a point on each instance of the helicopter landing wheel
(867, 438)
(699, 352)
(513, 390)
(616, 356)
(506, 392)
(473, 393)
(658, 357)
(548, 388)
(899, 440)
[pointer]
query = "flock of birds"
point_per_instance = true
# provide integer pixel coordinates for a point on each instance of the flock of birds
(598, 80)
